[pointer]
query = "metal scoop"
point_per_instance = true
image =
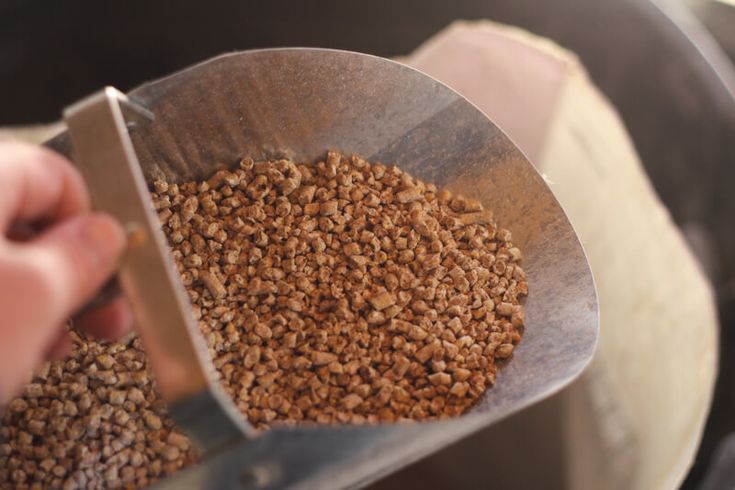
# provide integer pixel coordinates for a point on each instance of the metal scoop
(301, 102)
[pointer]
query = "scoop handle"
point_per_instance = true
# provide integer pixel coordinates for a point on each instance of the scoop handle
(183, 371)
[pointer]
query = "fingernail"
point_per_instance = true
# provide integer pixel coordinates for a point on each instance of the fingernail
(104, 237)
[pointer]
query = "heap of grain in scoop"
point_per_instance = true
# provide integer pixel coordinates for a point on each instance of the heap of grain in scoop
(340, 292)
(344, 292)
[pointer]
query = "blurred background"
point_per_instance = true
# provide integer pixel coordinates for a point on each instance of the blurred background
(667, 67)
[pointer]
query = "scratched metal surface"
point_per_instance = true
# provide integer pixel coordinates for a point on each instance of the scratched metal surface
(302, 102)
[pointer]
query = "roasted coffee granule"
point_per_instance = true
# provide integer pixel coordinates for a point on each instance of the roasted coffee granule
(340, 292)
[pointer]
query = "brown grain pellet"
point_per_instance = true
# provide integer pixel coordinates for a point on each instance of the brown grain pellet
(88, 422)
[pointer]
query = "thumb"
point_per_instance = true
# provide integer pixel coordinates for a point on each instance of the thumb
(43, 282)
(74, 258)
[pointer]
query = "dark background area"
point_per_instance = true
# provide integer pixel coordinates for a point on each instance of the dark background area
(663, 76)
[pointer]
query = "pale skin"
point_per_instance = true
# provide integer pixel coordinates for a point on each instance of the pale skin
(49, 274)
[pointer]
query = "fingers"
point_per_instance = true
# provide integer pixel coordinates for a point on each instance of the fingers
(107, 322)
(73, 259)
(37, 183)
(28, 329)
(45, 277)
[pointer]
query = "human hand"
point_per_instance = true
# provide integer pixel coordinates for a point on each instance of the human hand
(45, 278)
